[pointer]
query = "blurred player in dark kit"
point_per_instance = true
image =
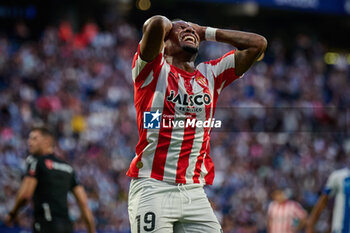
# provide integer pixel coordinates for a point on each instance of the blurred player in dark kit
(48, 181)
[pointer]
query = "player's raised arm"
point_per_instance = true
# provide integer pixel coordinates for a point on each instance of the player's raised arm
(250, 46)
(155, 29)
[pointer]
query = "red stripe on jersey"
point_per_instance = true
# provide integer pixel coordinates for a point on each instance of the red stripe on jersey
(205, 144)
(164, 136)
(187, 143)
(208, 162)
(199, 162)
(228, 76)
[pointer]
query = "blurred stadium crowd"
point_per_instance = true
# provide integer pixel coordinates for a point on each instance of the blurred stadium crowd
(80, 84)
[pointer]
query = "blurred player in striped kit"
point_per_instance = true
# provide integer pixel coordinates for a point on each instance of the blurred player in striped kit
(172, 164)
(285, 215)
(338, 186)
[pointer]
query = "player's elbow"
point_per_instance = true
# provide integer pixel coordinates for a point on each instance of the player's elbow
(260, 43)
(257, 46)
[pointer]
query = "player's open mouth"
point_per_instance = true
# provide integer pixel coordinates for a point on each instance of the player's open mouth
(189, 38)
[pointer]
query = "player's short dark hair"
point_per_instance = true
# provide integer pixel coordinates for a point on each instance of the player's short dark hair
(177, 19)
(44, 130)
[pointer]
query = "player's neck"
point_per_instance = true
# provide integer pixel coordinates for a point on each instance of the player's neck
(181, 63)
(47, 151)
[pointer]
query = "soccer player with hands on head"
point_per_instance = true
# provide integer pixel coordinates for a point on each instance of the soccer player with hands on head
(172, 164)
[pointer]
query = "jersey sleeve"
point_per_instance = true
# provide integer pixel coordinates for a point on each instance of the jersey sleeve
(75, 181)
(331, 186)
(143, 71)
(223, 70)
(33, 167)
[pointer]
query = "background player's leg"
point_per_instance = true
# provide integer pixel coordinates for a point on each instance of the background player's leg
(153, 206)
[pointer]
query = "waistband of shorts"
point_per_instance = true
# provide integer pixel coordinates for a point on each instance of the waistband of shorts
(160, 183)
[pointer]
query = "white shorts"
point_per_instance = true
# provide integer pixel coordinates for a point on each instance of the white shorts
(158, 206)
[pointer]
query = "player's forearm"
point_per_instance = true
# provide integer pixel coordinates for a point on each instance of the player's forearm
(155, 30)
(314, 218)
(316, 212)
(251, 46)
(88, 219)
(242, 40)
(85, 211)
(22, 198)
(24, 194)
(19, 203)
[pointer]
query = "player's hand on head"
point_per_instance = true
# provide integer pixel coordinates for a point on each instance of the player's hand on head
(199, 29)
(166, 37)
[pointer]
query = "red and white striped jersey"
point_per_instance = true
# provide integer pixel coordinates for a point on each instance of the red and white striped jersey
(284, 217)
(171, 153)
